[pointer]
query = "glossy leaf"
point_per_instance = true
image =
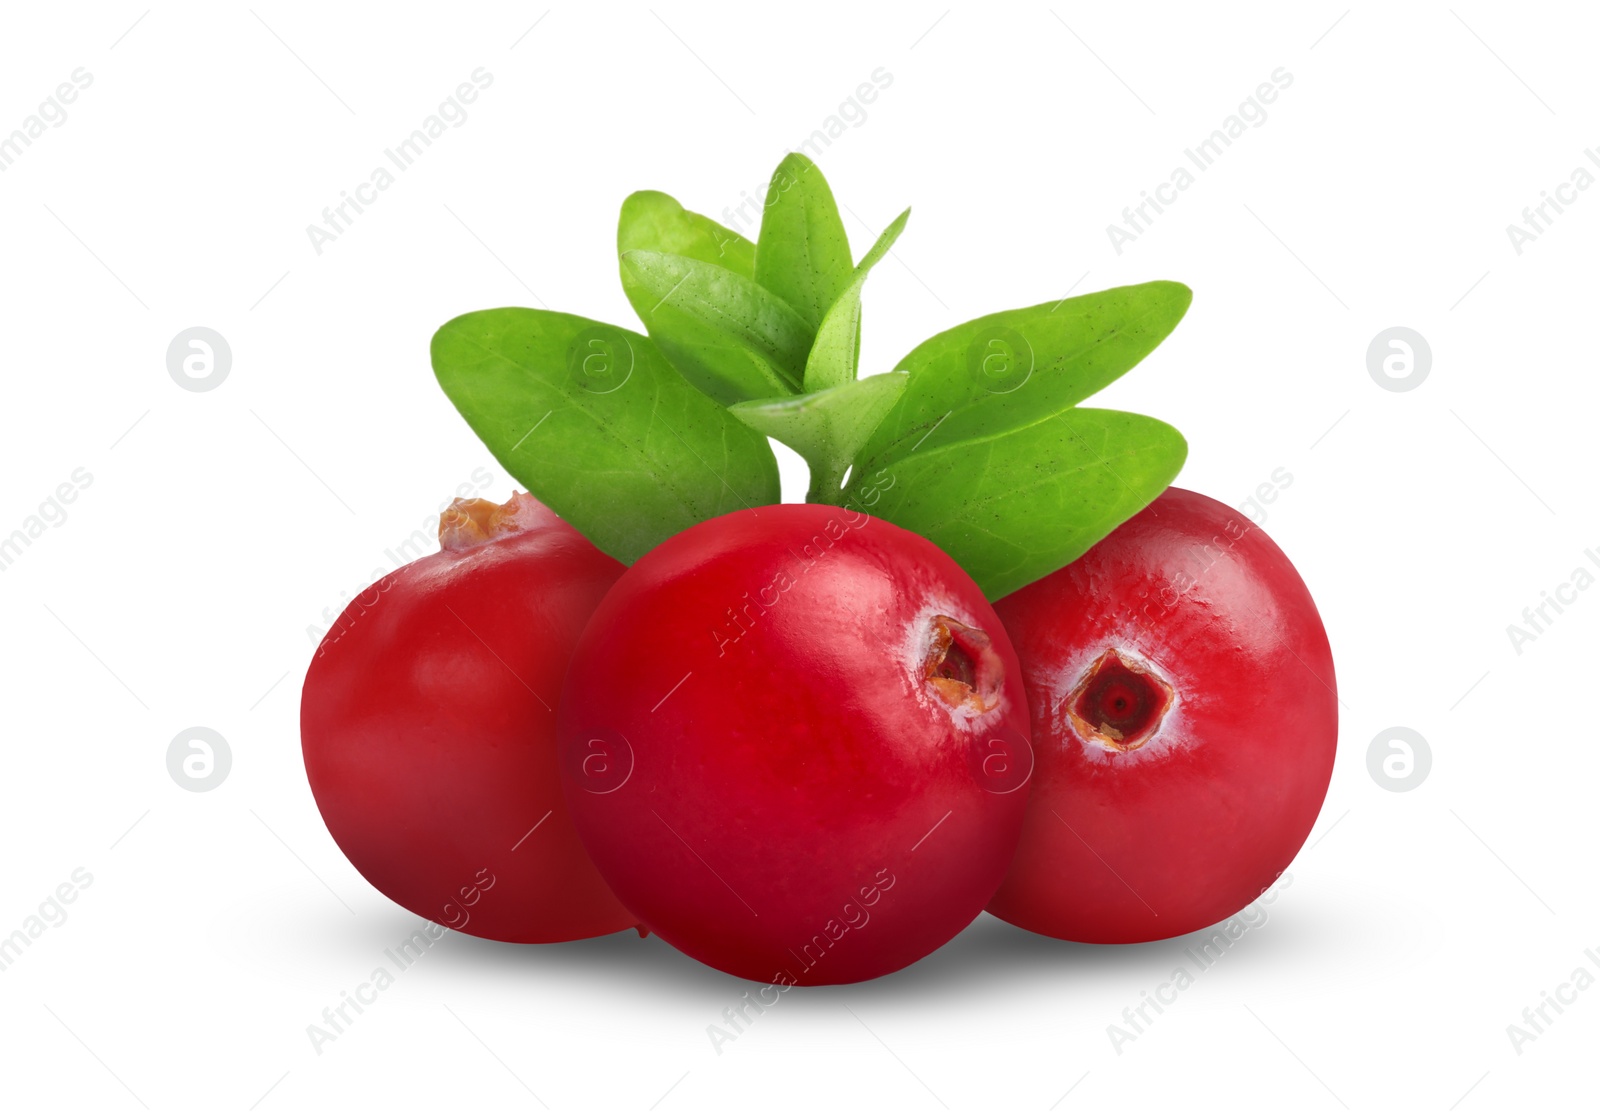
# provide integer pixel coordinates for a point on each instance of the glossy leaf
(826, 427)
(1013, 368)
(598, 426)
(1013, 506)
(802, 252)
(837, 349)
(731, 338)
(657, 223)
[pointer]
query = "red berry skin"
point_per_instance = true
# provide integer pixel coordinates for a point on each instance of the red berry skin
(1134, 841)
(428, 730)
(775, 758)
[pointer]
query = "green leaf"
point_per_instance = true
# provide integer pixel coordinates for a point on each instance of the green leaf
(826, 427)
(802, 253)
(1014, 506)
(595, 423)
(656, 222)
(1013, 368)
(837, 350)
(731, 338)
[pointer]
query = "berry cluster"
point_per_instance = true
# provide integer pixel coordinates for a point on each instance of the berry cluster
(994, 661)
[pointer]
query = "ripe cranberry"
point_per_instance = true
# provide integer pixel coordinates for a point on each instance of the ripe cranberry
(428, 727)
(1184, 717)
(794, 741)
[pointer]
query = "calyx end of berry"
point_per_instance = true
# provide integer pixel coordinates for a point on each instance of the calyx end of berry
(469, 522)
(1119, 702)
(962, 667)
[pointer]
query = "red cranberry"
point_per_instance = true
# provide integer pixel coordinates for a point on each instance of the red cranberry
(428, 727)
(793, 741)
(1184, 716)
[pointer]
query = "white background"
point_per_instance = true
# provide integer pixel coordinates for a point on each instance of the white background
(184, 584)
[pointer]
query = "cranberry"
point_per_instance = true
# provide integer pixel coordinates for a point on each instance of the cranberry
(794, 742)
(1184, 715)
(428, 727)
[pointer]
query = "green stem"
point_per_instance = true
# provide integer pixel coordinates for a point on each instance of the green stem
(827, 483)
